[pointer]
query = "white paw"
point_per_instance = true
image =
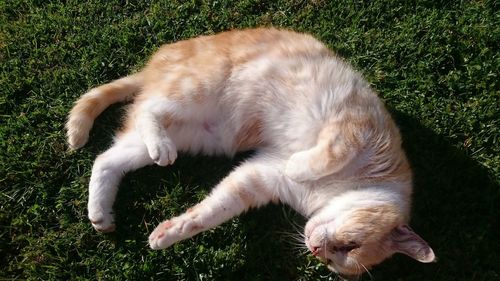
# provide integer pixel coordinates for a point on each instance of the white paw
(77, 131)
(297, 167)
(162, 151)
(102, 221)
(174, 230)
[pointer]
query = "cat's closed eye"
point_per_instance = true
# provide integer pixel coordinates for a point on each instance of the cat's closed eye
(346, 247)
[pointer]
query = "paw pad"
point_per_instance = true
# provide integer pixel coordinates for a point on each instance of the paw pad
(168, 224)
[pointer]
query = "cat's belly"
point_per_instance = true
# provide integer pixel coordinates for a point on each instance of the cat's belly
(206, 136)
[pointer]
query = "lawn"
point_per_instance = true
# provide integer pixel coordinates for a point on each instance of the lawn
(435, 63)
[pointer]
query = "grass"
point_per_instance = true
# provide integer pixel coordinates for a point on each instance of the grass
(434, 62)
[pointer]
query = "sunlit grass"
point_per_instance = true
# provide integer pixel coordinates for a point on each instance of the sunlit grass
(435, 63)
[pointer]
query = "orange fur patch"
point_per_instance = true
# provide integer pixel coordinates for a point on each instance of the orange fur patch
(372, 221)
(260, 188)
(368, 227)
(249, 136)
(169, 121)
(246, 196)
(91, 107)
(239, 190)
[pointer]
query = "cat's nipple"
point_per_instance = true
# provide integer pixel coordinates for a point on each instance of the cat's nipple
(207, 126)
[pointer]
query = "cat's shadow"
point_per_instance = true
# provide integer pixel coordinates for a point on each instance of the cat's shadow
(455, 208)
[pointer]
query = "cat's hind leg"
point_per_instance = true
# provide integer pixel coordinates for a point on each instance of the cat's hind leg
(250, 185)
(127, 154)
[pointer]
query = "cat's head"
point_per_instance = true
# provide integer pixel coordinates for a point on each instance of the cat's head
(351, 241)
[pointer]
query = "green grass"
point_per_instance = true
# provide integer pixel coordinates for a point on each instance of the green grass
(435, 63)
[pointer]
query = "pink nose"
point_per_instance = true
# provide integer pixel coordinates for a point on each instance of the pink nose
(315, 251)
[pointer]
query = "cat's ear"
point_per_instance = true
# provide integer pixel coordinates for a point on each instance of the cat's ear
(405, 240)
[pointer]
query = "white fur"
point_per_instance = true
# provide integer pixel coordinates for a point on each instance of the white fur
(301, 97)
(222, 204)
(291, 129)
(127, 154)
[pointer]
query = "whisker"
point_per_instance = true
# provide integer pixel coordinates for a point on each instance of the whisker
(358, 268)
(367, 271)
(297, 246)
(292, 236)
(296, 241)
(298, 228)
(326, 276)
(324, 242)
(295, 236)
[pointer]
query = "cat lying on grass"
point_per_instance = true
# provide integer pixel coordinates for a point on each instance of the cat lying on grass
(324, 142)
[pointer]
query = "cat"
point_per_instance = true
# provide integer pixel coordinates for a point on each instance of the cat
(324, 142)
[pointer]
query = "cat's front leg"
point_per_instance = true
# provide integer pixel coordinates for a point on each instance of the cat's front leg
(149, 123)
(298, 167)
(243, 189)
(324, 159)
(308, 165)
(175, 229)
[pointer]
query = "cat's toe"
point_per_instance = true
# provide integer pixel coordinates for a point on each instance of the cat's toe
(154, 241)
(102, 223)
(104, 228)
(163, 152)
(296, 171)
(158, 239)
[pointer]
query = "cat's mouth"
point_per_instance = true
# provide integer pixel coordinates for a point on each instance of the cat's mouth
(334, 267)
(316, 243)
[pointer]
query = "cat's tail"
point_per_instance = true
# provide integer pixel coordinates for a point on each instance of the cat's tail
(91, 104)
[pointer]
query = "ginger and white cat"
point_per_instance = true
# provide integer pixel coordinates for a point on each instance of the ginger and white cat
(324, 142)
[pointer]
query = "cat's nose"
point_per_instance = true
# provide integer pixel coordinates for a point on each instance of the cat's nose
(315, 251)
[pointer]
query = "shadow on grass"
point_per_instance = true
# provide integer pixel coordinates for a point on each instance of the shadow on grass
(455, 209)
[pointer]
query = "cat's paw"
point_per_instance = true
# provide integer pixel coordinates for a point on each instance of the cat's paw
(297, 167)
(102, 221)
(172, 231)
(162, 151)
